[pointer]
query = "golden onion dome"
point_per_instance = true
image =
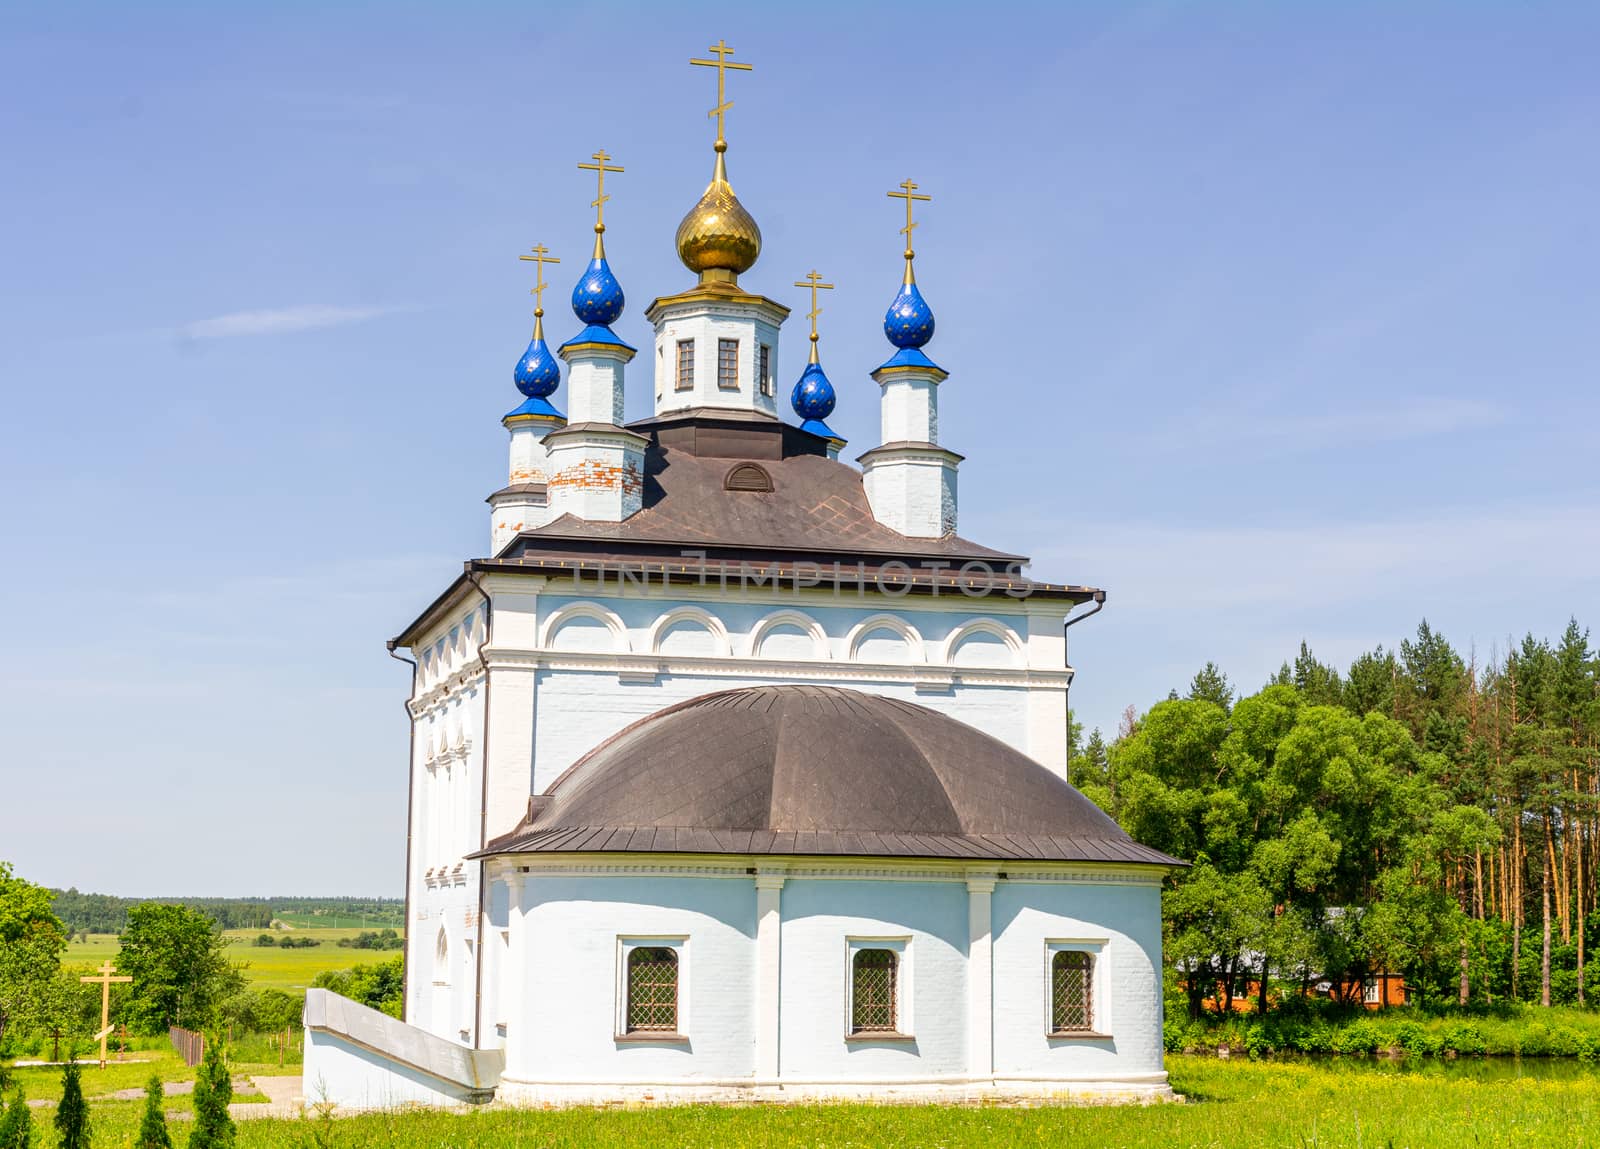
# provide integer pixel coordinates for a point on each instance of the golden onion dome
(718, 239)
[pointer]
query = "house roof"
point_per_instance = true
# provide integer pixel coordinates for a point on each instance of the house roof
(701, 524)
(816, 504)
(816, 770)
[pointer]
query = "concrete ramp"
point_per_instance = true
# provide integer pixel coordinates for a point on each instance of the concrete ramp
(357, 1059)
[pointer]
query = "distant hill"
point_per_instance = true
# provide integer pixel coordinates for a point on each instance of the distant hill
(106, 914)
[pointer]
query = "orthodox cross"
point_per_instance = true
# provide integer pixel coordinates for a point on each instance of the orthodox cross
(541, 256)
(104, 981)
(721, 64)
(908, 193)
(813, 280)
(600, 168)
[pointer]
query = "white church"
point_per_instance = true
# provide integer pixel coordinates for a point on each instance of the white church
(736, 773)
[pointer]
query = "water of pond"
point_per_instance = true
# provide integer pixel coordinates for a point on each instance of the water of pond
(1471, 1068)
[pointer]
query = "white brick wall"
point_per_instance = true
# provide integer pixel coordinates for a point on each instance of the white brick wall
(579, 910)
(751, 323)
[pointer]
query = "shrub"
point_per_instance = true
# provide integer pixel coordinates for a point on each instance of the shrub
(213, 1089)
(153, 1124)
(16, 1123)
(1360, 1036)
(72, 1113)
(1463, 1037)
(379, 986)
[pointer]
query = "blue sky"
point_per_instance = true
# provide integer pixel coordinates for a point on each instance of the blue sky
(1276, 321)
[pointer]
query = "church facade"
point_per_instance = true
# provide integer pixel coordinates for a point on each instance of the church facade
(736, 771)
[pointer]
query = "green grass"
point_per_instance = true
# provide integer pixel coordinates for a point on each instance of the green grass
(44, 1082)
(1233, 1105)
(334, 919)
(268, 967)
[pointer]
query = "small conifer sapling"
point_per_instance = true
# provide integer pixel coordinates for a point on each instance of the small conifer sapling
(72, 1114)
(153, 1125)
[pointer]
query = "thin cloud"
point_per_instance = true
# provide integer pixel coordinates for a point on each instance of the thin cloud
(280, 321)
(1323, 567)
(1299, 431)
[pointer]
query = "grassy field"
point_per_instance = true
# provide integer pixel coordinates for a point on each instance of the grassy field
(1232, 1105)
(267, 967)
(335, 919)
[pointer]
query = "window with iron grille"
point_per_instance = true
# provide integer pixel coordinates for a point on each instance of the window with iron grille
(652, 989)
(728, 364)
(873, 974)
(685, 377)
(765, 371)
(1071, 992)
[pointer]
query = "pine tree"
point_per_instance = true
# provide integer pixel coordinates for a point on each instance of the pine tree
(153, 1126)
(72, 1114)
(1212, 686)
(16, 1124)
(213, 1089)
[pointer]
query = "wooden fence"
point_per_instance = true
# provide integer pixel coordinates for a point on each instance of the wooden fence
(190, 1046)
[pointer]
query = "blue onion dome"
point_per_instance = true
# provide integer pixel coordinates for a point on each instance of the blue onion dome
(538, 374)
(909, 322)
(597, 300)
(813, 396)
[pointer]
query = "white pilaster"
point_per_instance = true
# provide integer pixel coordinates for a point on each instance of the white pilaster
(509, 703)
(980, 976)
(514, 987)
(769, 932)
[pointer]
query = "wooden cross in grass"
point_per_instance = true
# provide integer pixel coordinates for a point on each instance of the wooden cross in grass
(104, 980)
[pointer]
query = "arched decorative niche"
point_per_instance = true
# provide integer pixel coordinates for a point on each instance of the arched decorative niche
(787, 635)
(885, 638)
(983, 642)
(585, 626)
(690, 631)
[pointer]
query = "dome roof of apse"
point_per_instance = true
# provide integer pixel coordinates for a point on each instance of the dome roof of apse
(817, 770)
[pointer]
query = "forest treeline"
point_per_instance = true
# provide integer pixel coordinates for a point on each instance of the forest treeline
(1418, 813)
(107, 914)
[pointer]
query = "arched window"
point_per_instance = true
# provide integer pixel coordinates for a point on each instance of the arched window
(872, 991)
(652, 989)
(1071, 992)
(747, 477)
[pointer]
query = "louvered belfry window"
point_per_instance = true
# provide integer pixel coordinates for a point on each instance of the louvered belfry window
(1071, 992)
(872, 991)
(652, 989)
(685, 377)
(728, 364)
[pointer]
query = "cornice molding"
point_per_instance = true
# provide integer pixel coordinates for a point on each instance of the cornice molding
(923, 676)
(754, 868)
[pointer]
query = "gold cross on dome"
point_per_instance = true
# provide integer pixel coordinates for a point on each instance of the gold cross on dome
(600, 168)
(813, 280)
(908, 193)
(721, 64)
(541, 256)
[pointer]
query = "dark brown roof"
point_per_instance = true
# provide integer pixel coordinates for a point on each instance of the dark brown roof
(817, 505)
(817, 770)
